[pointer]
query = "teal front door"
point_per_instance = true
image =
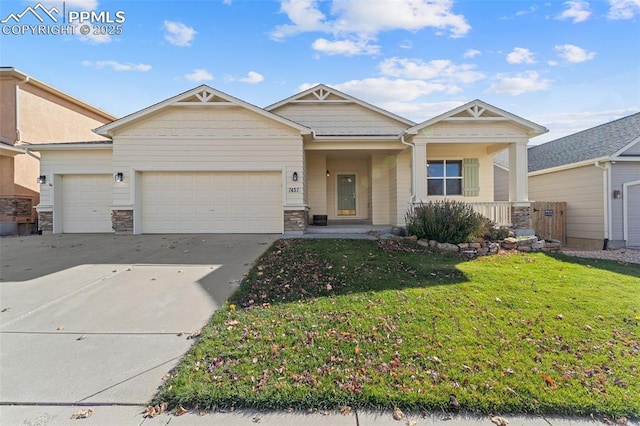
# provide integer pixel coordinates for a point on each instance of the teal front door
(346, 195)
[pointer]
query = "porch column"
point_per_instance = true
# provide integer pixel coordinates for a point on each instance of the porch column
(518, 189)
(420, 170)
(518, 173)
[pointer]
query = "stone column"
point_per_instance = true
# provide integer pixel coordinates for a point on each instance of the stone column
(122, 221)
(295, 220)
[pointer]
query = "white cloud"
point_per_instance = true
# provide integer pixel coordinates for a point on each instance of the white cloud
(305, 17)
(472, 53)
(574, 54)
(252, 78)
(439, 70)
(577, 10)
(623, 9)
(379, 90)
(227, 2)
(517, 84)
(354, 23)
(531, 9)
(178, 33)
(199, 74)
(345, 47)
(117, 66)
(520, 55)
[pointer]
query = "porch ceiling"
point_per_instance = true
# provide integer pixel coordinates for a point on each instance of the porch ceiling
(355, 154)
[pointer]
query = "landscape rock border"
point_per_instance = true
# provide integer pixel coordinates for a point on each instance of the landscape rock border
(471, 250)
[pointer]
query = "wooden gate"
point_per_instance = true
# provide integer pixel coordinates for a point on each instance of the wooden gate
(548, 219)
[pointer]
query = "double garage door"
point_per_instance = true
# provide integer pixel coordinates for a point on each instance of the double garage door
(180, 202)
(211, 202)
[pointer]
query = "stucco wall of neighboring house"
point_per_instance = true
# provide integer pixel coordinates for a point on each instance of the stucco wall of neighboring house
(582, 188)
(500, 184)
(67, 162)
(621, 172)
(459, 152)
(341, 119)
(206, 139)
(45, 117)
(8, 110)
(359, 167)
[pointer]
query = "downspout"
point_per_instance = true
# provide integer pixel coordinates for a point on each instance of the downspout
(606, 175)
(31, 154)
(17, 110)
(413, 168)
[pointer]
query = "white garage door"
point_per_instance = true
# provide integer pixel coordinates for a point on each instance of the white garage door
(86, 203)
(211, 202)
(633, 215)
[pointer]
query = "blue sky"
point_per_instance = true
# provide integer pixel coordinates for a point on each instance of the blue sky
(567, 65)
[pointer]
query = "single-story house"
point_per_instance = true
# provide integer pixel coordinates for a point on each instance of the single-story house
(32, 112)
(206, 162)
(597, 173)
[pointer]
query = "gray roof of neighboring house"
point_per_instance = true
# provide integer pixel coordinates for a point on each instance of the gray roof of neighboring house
(600, 141)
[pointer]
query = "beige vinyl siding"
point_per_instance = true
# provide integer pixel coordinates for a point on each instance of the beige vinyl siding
(340, 119)
(403, 185)
(582, 189)
(633, 150)
(70, 162)
(500, 184)
(360, 168)
(621, 172)
(317, 183)
(381, 167)
(393, 190)
(208, 139)
(207, 121)
(461, 151)
(478, 129)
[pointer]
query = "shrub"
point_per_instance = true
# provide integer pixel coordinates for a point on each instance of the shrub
(446, 221)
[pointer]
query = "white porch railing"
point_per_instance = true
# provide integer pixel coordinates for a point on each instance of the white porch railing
(498, 211)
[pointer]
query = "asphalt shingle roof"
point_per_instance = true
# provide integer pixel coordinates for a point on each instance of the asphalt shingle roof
(600, 141)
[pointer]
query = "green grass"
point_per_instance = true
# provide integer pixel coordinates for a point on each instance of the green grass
(383, 324)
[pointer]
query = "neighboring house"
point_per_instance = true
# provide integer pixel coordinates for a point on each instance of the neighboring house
(206, 162)
(597, 173)
(32, 112)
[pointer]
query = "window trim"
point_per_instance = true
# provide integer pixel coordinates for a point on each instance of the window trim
(445, 178)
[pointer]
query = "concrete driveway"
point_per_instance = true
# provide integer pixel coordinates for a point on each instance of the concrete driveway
(99, 319)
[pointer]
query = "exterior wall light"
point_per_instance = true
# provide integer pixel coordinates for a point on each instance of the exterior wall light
(295, 176)
(42, 179)
(328, 174)
(118, 177)
(617, 194)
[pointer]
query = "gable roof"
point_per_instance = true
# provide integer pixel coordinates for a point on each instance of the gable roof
(322, 92)
(478, 110)
(607, 140)
(202, 95)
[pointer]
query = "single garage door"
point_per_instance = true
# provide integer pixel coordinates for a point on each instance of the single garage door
(86, 203)
(211, 202)
(633, 215)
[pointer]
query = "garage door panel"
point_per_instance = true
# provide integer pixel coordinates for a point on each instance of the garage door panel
(213, 202)
(86, 203)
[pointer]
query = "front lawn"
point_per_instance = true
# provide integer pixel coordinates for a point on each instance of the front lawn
(383, 324)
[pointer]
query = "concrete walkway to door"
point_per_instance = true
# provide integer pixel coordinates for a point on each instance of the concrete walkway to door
(100, 319)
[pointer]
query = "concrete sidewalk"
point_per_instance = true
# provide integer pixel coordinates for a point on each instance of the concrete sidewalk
(132, 415)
